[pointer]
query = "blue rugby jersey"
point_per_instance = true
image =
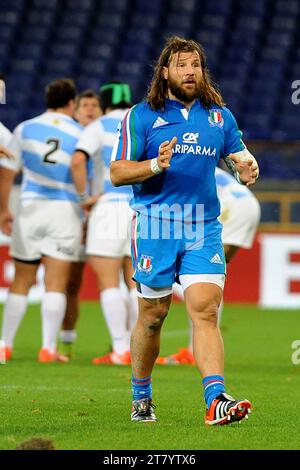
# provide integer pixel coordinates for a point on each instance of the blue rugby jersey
(97, 141)
(203, 137)
(43, 147)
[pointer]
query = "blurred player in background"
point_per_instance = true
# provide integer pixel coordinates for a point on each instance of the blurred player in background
(240, 215)
(5, 138)
(168, 148)
(86, 111)
(5, 135)
(48, 223)
(108, 236)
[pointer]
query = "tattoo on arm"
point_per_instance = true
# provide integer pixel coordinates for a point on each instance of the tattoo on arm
(230, 164)
(232, 168)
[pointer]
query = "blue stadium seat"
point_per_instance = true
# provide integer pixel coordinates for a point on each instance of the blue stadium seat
(131, 52)
(215, 6)
(146, 6)
(17, 4)
(9, 17)
(69, 33)
(253, 7)
(104, 36)
(59, 67)
(279, 39)
(114, 21)
(188, 6)
(80, 4)
(150, 22)
(139, 36)
(116, 5)
(100, 51)
(75, 18)
(291, 7)
(26, 66)
(45, 4)
(214, 22)
(6, 33)
(29, 50)
(182, 21)
(93, 67)
(38, 34)
(34, 18)
(60, 50)
(284, 23)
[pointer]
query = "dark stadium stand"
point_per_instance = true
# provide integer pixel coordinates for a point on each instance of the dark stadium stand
(253, 50)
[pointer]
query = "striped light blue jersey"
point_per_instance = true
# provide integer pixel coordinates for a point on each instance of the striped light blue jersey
(97, 141)
(229, 189)
(43, 147)
(203, 137)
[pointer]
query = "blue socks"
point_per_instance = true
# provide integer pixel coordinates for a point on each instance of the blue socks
(141, 388)
(213, 386)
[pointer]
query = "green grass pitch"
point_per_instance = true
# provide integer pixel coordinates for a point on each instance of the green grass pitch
(81, 406)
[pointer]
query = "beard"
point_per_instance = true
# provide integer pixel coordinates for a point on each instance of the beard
(184, 95)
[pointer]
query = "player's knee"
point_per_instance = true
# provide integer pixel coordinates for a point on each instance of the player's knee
(207, 313)
(154, 316)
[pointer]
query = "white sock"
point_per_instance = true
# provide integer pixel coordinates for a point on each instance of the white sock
(178, 291)
(53, 312)
(115, 313)
(68, 336)
(133, 309)
(13, 313)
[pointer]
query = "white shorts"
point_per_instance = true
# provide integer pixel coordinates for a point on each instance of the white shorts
(109, 229)
(240, 220)
(46, 227)
(186, 280)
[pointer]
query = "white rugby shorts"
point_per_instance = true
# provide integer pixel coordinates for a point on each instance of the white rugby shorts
(240, 219)
(46, 227)
(109, 229)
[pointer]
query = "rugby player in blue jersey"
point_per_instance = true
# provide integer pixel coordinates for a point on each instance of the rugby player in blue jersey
(168, 148)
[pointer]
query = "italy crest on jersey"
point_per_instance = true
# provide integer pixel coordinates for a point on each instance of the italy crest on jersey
(215, 118)
(145, 264)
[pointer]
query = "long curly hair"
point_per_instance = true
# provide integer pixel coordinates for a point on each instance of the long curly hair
(157, 92)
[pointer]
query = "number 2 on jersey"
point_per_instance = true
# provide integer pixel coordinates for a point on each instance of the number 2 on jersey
(55, 146)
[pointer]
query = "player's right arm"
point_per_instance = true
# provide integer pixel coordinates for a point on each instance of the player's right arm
(125, 167)
(88, 144)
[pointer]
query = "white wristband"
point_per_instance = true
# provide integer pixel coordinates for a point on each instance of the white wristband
(83, 197)
(154, 167)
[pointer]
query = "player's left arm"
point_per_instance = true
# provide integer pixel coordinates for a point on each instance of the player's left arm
(237, 157)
